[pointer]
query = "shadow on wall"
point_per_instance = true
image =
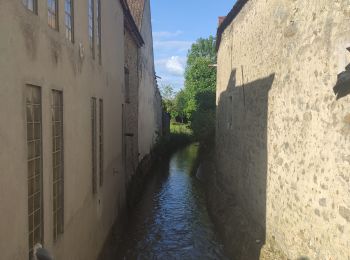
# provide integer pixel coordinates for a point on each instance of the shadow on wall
(242, 163)
(342, 87)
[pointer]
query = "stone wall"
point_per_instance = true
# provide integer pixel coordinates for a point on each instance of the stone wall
(283, 138)
(131, 93)
(149, 99)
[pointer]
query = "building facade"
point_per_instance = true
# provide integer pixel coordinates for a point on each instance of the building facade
(61, 169)
(150, 105)
(132, 42)
(283, 132)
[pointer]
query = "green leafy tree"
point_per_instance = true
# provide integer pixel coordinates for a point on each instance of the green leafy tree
(196, 102)
(203, 119)
(200, 86)
(168, 96)
(205, 48)
(199, 77)
(179, 106)
(167, 92)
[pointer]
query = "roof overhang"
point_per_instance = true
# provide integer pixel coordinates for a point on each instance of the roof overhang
(130, 25)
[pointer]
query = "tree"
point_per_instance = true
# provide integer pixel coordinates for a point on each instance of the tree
(196, 102)
(179, 106)
(199, 77)
(168, 94)
(200, 86)
(203, 118)
(205, 48)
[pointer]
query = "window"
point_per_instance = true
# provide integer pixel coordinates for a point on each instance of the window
(69, 19)
(99, 31)
(93, 143)
(34, 142)
(31, 5)
(57, 163)
(52, 8)
(91, 27)
(127, 87)
(101, 142)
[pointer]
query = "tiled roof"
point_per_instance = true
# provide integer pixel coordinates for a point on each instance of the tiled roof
(137, 8)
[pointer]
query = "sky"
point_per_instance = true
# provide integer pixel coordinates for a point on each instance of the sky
(176, 25)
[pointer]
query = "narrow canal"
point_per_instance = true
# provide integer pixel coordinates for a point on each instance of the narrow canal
(171, 221)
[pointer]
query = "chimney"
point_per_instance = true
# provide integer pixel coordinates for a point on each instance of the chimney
(221, 19)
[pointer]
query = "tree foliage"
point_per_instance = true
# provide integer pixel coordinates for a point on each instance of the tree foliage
(200, 86)
(167, 92)
(205, 48)
(196, 102)
(179, 106)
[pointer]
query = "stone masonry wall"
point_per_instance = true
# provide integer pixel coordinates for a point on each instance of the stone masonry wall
(283, 138)
(149, 127)
(131, 106)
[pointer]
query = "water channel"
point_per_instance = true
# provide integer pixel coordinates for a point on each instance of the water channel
(171, 221)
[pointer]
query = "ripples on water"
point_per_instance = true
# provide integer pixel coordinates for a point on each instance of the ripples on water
(171, 221)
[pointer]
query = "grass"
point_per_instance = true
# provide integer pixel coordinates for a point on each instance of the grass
(178, 128)
(180, 136)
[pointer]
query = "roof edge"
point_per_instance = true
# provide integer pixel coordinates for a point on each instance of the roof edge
(137, 9)
(236, 9)
(130, 24)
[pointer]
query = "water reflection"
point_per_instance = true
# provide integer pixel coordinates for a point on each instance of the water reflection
(171, 221)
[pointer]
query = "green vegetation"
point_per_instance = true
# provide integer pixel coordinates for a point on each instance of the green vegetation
(179, 128)
(195, 104)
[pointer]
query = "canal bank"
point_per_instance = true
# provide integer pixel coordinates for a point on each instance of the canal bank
(171, 220)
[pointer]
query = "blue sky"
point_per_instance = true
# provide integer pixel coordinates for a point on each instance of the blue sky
(176, 25)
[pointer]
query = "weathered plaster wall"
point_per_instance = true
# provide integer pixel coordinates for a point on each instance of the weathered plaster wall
(32, 53)
(149, 101)
(131, 106)
(283, 140)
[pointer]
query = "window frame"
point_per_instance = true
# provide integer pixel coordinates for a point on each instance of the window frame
(53, 14)
(101, 141)
(58, 181)
(99, 32)
(127, 85)
(94, 144)
(91, 26)
(35, 6)
(69, 32)
(34, 166)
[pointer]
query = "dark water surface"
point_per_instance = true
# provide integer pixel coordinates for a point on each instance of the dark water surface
(171, 221)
